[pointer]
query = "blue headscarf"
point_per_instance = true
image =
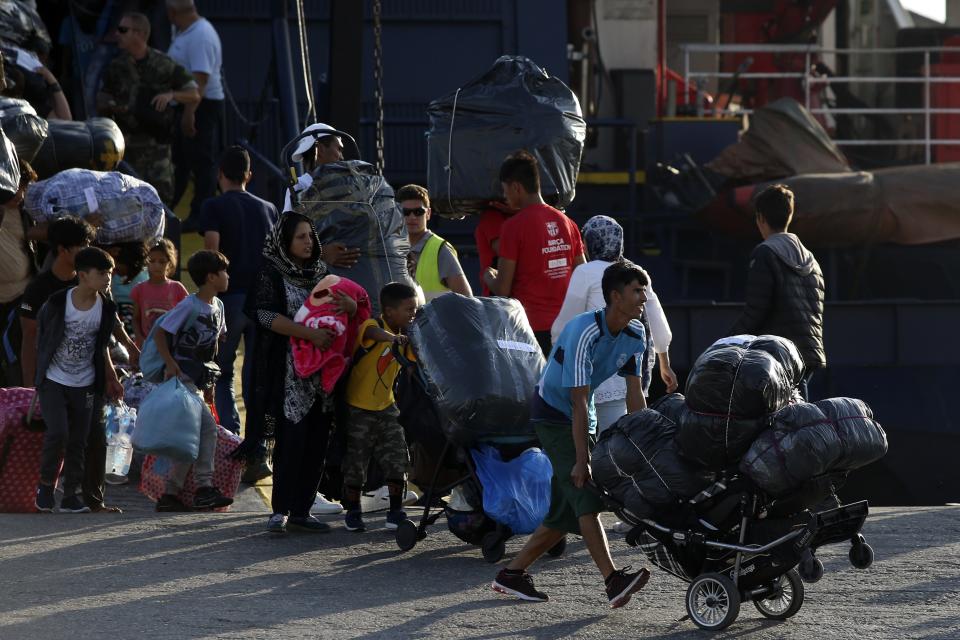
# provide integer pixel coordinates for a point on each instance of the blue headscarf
(603, 237)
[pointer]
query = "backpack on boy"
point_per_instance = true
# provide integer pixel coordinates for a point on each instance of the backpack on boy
(151, 363)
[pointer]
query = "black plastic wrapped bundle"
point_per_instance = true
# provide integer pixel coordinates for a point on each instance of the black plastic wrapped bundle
(713, 441)
(350, 203)
(481, 362)
(9, 169)
(744, 376)
(638, 462)
(96, 144)
(515, 105)
(862, 438)
(23, 126)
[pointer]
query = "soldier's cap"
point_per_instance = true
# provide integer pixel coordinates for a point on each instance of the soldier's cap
(307, 143)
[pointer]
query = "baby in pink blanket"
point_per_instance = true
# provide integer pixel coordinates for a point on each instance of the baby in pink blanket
(320, 310)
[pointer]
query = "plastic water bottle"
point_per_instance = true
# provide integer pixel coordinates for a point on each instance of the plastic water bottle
(119, 448)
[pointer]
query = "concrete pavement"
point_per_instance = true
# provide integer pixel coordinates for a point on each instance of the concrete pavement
(205, 576)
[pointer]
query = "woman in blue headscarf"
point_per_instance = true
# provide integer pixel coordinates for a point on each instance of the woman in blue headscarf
(603, 238)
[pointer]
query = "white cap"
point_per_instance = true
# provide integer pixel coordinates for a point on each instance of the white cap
(307, 143)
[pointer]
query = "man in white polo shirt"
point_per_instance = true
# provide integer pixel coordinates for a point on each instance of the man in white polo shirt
(197, 148)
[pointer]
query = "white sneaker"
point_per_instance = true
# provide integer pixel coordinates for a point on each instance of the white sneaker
(383, 495)
(322, 506)
(621, 527)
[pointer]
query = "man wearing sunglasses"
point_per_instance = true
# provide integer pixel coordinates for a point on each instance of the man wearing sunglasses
(139, 88)
(432, 260)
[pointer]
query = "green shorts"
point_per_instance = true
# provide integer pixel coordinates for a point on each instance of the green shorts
(567, 502)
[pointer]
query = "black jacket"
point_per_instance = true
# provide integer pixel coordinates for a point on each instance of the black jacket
(784, 297)
(51, 323)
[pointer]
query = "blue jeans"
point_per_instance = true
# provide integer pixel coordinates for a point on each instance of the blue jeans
(238, 326)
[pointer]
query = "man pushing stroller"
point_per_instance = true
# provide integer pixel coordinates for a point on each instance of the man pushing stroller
(593, 346)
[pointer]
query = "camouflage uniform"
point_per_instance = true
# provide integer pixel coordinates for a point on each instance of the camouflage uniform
(148, 135)
(375, 434)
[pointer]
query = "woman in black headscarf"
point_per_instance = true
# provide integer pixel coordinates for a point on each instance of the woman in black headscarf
(293, 410)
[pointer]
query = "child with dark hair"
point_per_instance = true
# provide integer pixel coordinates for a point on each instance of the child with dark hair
(374, 431)
(158, 294)
(187, 339)
(73, 367)
(65, 236)
(130, 258)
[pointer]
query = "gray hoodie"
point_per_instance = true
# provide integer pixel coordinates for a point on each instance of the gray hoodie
(791, 252)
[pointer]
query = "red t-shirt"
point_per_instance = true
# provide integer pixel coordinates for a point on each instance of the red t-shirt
(487, 231)
(154, 300)
(544, 243)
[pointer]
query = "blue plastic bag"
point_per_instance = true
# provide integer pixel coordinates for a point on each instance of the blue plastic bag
(168, 422)
(515, 493)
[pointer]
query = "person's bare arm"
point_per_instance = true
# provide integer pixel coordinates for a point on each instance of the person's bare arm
(500, 281)
(61, 108)
(171, 368)
(188, 121)
(28, 350)
(287, 327)
(376, 334)
(459, 284)
(635, 399)
(211, 240)
(580, 397)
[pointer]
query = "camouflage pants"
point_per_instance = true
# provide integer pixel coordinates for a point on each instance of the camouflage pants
(375, 434)
(153, 163)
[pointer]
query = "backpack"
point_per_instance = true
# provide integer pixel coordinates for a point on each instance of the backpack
(151, 363)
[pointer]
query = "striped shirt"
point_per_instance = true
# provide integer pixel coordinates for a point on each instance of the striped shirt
(586, 354)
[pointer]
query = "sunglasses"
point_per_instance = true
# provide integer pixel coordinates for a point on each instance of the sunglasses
(419, 212)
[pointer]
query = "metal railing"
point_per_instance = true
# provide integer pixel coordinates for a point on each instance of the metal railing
(811, 80)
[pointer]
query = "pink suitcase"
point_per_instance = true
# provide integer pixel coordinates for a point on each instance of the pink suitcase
(21, 444)
(226, 472)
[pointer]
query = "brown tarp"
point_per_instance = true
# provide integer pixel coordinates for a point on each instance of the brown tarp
(911, 205)
(781, 139)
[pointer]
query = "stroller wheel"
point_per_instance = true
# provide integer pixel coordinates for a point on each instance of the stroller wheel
(557, 550)
(407, 535)
(493, 546)
(810, 568)
(786, 599)
(713, 601)
(861, 554)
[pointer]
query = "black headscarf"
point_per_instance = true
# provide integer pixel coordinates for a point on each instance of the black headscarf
(276, 251)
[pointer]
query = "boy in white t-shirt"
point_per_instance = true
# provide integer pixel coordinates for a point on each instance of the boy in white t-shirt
(73, 366)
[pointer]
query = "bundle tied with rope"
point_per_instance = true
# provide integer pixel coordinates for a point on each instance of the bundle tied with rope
(350, 202)
(515, 105)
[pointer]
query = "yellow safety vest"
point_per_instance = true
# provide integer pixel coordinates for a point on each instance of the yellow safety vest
(428, 267)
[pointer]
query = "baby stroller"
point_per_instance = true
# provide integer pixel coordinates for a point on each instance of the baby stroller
(732, 543)
(453, 468)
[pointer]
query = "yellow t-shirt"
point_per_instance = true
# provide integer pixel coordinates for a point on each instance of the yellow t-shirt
(370, 385)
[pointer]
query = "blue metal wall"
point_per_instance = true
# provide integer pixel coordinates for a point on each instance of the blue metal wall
(430, 48)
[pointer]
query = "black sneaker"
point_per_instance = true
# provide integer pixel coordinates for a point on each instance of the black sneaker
(621, 585)
(256, 471)
(44, 500)
(210, 498)
(277, 523)
(353, 521)
(169, 503)
(519, 585)
(394, 518)
(308, 523)
(73, 504)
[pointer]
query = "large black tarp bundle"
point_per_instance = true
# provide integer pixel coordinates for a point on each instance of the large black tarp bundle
(21, 26)
(350, 203)
(23, 126)
(745, 376)
(638, 462)
(481, 362)
(95, 144)
(805, 441)
(514, 105)
(712, 441)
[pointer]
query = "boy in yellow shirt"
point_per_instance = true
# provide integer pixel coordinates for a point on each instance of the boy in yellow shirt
(374, 430)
